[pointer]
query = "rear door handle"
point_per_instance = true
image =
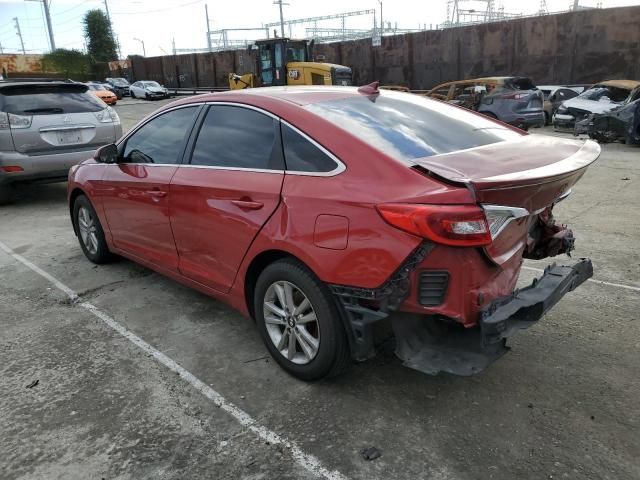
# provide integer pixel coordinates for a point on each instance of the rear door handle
(248, 204)
(156, 193)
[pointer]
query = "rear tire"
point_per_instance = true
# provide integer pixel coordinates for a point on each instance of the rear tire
(90, 232)
(5, 194)
(307, 311)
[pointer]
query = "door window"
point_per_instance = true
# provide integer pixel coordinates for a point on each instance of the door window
(237, 137)
(160, 140)
(303, 156)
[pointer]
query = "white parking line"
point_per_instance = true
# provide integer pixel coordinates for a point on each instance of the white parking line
(305, 460)
(593, 280)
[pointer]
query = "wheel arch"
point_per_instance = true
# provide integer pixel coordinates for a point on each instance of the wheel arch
(75, 193)
(257, 265)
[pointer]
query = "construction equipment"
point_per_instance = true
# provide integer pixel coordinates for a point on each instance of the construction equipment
(282, 61)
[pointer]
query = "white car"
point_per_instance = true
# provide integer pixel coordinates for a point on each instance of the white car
(148, 89)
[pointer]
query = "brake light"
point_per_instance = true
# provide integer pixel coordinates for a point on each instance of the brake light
(514, 96)
(12, 168)
(9, 120)
(455, 225)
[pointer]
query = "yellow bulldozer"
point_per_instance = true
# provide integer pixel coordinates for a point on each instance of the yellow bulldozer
(282, 61)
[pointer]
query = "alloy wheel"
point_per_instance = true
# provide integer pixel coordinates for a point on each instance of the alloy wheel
(87, 228)
(291, 322)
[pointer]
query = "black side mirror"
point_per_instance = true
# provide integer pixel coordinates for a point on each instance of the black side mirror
(106, 154)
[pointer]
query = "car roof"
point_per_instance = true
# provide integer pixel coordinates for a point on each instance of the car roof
(8, 84)
(627, 84)
(298, 95)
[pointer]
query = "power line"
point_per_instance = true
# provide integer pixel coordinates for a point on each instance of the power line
(158, 9)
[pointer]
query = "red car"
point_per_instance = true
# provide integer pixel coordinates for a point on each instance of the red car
(325, 213)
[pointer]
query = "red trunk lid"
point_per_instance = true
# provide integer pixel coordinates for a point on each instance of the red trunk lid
(531, 173)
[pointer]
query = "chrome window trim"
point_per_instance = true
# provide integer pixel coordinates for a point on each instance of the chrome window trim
(340, 166)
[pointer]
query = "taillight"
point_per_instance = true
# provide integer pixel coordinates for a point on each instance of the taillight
(9, 120)
(515, 96)
(12, 168)
(455, 225)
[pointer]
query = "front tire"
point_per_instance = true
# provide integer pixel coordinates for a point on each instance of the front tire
(90, 232)
(299, 322)
(133, 95)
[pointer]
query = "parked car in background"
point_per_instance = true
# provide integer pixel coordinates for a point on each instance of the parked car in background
(600, 98)
(554, 95)
(513, 100)
(47, 127)
(148, 89)
(320, 212)
(119, 85)
(102, 93)
(621, 123)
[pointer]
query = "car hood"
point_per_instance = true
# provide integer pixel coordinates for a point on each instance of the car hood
(155, 89)
(592, 106)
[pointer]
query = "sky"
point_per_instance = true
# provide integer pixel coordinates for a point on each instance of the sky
(158, 23)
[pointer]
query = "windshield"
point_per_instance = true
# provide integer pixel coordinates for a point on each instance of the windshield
(47, 100)
(296, 52)
(406, 126)
(151, 84)
(120, 82)
(598, 92)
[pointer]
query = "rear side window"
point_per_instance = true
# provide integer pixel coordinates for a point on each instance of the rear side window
(48, 100)
(160, 140)
(301, 155)
(519, 83)
(237, 137)
(407, 126)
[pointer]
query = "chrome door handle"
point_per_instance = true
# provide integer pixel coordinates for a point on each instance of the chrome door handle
(248, 204)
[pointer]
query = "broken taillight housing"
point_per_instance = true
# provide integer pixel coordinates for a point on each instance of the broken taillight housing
(455, 225)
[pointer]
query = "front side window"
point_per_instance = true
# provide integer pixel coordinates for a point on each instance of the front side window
(160, 140)
(301, 155)
(237, 137)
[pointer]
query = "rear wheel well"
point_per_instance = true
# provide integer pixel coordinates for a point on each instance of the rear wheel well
(258, 264)
(72, 200)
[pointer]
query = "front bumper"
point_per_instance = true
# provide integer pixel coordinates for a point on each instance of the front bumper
(433, 346)
(564, 121)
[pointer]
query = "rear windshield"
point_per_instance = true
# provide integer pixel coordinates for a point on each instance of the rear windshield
(47, 100)
(407, 126)
(600, 92)
(519, 83)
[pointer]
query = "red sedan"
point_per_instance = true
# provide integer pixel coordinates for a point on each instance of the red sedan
(328, 213)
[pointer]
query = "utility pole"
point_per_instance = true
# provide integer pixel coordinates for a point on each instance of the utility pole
(106, 8)
(381, 21)
(47, 16)
(173, 44)
(15, 19)
(280, 3)
(206, 14)
(144, 52)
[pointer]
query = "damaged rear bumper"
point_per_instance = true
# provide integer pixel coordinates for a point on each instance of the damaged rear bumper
(433, 347)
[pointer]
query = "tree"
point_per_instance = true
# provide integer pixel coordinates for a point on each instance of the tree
(101, 45)
(71, 63)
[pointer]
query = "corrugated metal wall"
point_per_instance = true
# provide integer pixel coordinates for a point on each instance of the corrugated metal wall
(581, 47)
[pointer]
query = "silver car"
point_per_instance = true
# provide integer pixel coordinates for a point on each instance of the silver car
(46, 128)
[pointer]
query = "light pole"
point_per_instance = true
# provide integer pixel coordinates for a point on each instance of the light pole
(381, 21)
(47, 16)
(144, 52)
(281, 3)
